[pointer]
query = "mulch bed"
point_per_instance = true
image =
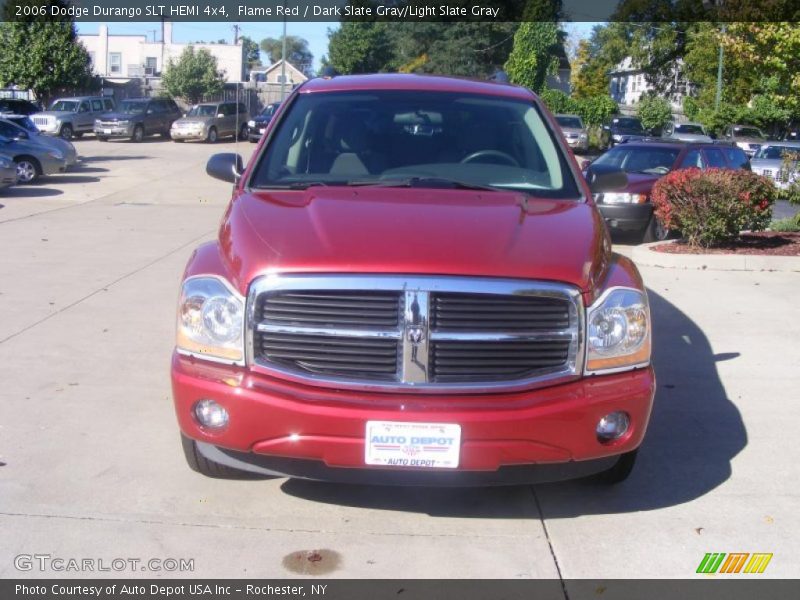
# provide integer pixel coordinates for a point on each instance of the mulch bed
(772, 243)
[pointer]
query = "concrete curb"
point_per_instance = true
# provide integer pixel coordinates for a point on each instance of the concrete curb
(643, 255)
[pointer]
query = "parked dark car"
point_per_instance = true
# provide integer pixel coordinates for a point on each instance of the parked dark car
(623, 129)
(32, 160)
(645, 162)
(18, 127)
(258, 125)
(138, 117)
(18, 106)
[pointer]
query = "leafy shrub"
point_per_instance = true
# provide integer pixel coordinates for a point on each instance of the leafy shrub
(595, 110)
(788, 225)
(713, 206)
(558, 102)
(654, 111)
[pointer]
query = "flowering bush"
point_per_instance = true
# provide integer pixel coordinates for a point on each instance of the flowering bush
(713, 206)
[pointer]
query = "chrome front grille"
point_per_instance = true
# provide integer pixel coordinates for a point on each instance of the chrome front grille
(415, 333)
(43, 121)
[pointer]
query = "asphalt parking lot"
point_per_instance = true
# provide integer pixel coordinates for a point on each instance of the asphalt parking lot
(90, 459)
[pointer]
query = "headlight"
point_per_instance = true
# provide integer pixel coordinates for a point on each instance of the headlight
(618, 331)
(123, 123)
(621, 198)
(5, 163)
(617, 137)
(251, 123)
(210, 320)
(55, 154)
(583, 136)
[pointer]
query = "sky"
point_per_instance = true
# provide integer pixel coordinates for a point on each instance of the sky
(315, 33)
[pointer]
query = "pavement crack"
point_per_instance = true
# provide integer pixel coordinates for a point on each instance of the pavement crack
(107, 286)
(549, 542)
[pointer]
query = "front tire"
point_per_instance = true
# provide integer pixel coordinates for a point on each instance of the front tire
(66, 132)
(138, 134)
(655, 231)
(27, 170)
(243, 132)
(620, 471)
(211, 138)
(200, 464)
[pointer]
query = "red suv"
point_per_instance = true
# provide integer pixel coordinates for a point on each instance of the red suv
(412, 285)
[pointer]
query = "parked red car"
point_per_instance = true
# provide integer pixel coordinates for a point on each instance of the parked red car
(412, 285)
(645, 162)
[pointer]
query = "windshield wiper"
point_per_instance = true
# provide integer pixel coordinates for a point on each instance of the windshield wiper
(297, 185)
(424, 182)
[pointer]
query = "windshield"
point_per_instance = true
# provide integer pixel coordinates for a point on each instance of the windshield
(26, 123)
(776, 152)
(627, 125)
(428, 138)
(203, 110)
(748, 132)
(693, 129)
(64, 106)
(639, 159)
(269, 110)
(570, 122)
(130, 107)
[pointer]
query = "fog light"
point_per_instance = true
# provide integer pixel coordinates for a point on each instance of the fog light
(613, 426)
(211, 414)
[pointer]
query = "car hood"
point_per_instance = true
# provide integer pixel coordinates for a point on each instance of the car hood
(766, 163)
(691, 137)
(573, 130)
(53, 113)
(118, 116)
(388, 230)
(749, 140)
(194, 120)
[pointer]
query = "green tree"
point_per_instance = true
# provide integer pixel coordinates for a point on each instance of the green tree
(252, 53)
(654, 112)
(534, 55)
(297, 51)
(194, 75)
(360, 48)
(41, 55)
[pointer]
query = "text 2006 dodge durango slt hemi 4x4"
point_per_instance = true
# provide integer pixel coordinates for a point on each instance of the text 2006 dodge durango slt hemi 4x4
(412, 285)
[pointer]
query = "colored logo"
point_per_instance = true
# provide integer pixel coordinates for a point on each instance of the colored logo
(735, 562)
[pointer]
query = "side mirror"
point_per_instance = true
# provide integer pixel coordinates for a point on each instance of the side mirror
(602, 178)
(226, 166)
(220, 115)
(585, 164)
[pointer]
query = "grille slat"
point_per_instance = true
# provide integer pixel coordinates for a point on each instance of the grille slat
(321, 308)
(482, 312)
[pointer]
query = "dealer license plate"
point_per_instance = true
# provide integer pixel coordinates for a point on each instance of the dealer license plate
(419, 445)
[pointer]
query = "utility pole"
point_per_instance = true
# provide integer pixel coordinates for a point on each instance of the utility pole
(235, 34)
(283, 62)
(718, 98)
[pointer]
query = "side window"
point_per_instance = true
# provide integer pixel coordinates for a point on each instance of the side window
(242, 109)
(693, 158)
(737, 159)
(156, 106)
(228, 109)
(108, 103)
(715, 158)
(97, 106)
(7, 130)
(84, 107)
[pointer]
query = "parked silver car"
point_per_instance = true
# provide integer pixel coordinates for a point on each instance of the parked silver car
(747, 137)
(72, 117)
(32, 160)
(19, 127)
(769, 161)
(210, 121)
(574, 132)
(8, 171)
(686, 132)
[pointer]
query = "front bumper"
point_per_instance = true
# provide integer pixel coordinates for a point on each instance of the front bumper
(114, 130)
(186, 134)
(578, 144)
(52, 166)
(254, 134)
(626, 217)
(272, 421)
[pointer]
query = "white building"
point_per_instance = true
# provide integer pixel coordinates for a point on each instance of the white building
(274, 74)
(629, 84)
(126, 56)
